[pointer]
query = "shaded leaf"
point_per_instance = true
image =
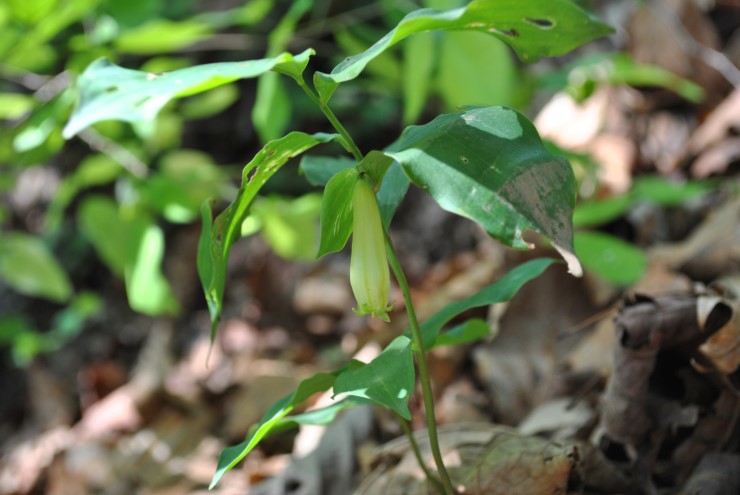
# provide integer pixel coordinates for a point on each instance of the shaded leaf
(336, 211)
(534, 29)
(218, 235)
(230, 456)
(27, 265)
(500, 291)
(489, 165)
(470, 331)
(320, 169)
(388, 379)
(615, 260)
(375, 165)
(110, 92)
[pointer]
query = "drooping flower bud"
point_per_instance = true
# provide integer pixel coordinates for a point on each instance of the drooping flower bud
(368, 269)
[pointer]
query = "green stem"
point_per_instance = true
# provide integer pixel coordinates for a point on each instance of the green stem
(421, 364)
(431, 477)
(349, 142)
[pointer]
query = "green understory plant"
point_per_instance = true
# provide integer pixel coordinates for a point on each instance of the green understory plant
(487, 164)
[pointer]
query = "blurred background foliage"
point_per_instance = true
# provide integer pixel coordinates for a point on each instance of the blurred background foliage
(111, 198)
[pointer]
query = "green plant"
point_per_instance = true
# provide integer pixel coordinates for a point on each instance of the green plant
(487, 164)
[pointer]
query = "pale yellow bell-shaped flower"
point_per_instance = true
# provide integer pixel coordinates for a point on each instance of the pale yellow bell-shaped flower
(368, 270)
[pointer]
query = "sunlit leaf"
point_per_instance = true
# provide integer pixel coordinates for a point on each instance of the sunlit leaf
(613, 259)
(388, 379)
(27, 265)
(162, 36)
(110, 92)
(522, 25)
(489, 165)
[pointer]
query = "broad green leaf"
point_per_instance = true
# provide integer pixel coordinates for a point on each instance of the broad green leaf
(583, 76)
(336, 211)
(27, 265)
(418, 64)
(500, 291)
(375, 165)
(489, 165)
(147, 288)
(468, 332)
(290, 225)
(94, 170)
(213, 253)
(133, 248)
(230, 456)
(211, 103)
(392, 191)
(664, 192)
(475, 69)
(320, 169)
(534, 29)
(110, 92)
(387, 380)
(162, 36)
(613, 259)
(272, 107)
(15, 105)
(599, 212)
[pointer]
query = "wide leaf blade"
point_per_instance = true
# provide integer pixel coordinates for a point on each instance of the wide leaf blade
(489, 165)
(110, 92)
(534, 29)
(387, 380)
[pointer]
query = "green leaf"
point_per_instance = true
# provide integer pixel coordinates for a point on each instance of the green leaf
(418, 65)
(336, 211)
(162, 36)
(272, 107)
(500, 291)
(15, 105)
(388, 379)
(147, 288)
(534, 29)
(110, 92)
(321, 382)
(665, 192)
(27, 265)
(211, 103)
(392, 191)
(133, 248)
(290, 225)
(468, 332)
(599, 212)
(216, 240)
(618, 262)
(489, 165)
(375, 165)
(475, 69)
(320, 169)
(322, 416)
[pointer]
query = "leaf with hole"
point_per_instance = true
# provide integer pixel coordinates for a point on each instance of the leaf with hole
(521, 25)
(489, 165)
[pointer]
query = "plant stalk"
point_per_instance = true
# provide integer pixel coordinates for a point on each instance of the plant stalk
(421, 364)
(327, 111)
(431, 477)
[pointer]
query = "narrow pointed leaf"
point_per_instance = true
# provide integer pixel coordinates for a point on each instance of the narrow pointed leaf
(230, 456)
(489, 165)
(336, 211)
(110, 92)
(534, 29)
(468, 332)
(218, 235)
(387, 380)
(500, 291)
